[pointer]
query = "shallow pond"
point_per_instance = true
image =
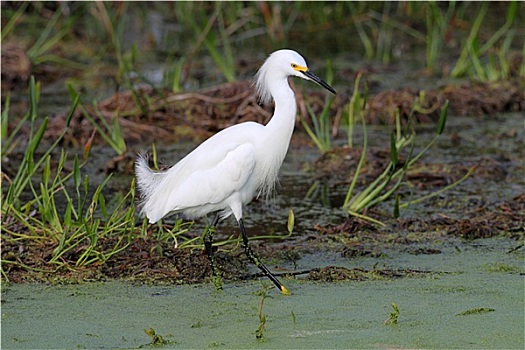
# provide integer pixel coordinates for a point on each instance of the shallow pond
(468, 297)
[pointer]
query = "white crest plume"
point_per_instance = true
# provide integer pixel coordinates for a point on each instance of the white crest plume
(261, 85)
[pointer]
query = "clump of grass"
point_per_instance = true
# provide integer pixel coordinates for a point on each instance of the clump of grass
(89, 229)
(49, 38)
(321, 133)
(86, 219)
(487, 61)
(112, 134)
(390, 180)
(29, 166)
(394, 316)
(223, 28)
(356, 109)
(126, 75)
(378, 28)
(195, 18)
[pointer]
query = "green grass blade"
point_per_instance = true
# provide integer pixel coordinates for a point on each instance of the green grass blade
(72, 109)
(462, 64)
(394, 157)
(442, 119)
(33, 99)
(5, 116)
(67, 214)
(76, 173)
(511, 16)
(349, 194)
(396, 207)
(441, 190)
(8, 27)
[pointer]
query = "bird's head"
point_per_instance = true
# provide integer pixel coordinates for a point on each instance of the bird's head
(285, 63)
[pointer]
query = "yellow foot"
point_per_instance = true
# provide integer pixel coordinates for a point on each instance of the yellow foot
(285, 291)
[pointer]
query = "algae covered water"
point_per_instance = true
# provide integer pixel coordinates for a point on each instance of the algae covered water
(471, 297)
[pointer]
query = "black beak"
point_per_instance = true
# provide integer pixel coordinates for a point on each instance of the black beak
(319, 81)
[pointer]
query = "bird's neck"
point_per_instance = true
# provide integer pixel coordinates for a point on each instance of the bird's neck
(283, 120)
(277, 133)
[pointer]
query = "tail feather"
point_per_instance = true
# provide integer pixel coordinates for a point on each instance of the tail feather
(147, 180)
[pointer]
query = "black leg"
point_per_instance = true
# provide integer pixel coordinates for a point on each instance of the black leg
(208, 246)
(249, 252)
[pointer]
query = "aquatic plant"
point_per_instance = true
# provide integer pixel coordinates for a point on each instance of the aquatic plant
(476, 311)
(89, 229)
(259, 332)
(32, 196)
(394, 316)
(386, 31)
(291, 221)
(15, 18)
(224, 60)
(194, 17)
(321, 133)
(378, 28)
(29, 165)
(356, 109)
(389, 181)
(126, 75)
(173, 76)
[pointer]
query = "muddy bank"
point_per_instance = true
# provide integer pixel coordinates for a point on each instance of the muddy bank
(146, 259)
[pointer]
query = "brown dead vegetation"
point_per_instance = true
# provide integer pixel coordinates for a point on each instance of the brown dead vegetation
(147, 114)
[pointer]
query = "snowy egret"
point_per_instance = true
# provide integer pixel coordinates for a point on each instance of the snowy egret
(233, 166)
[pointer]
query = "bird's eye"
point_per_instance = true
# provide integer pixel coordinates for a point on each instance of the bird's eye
(294, 65)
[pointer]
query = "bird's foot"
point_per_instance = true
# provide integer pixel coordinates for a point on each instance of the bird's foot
(285, 291)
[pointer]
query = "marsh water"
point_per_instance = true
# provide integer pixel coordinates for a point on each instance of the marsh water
(468, 297)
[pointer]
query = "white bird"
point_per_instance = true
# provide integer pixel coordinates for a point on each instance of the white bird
(235, 165)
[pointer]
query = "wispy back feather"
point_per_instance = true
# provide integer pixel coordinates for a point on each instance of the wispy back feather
(147, 179)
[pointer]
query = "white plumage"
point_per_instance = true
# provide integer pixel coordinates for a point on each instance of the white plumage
(232, 167)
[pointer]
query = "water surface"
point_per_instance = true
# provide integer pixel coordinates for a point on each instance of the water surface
(473, 298)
